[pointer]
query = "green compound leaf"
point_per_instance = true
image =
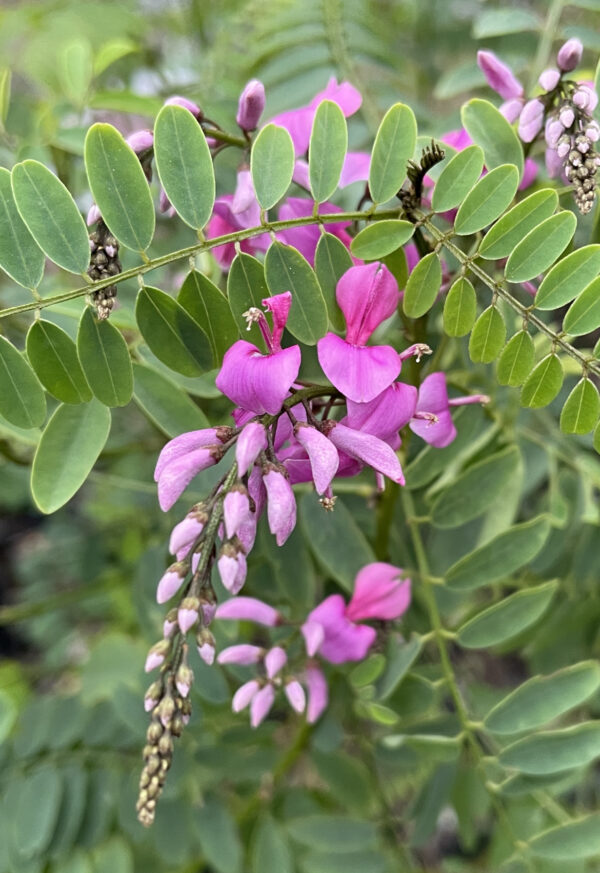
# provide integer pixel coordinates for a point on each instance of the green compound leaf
(582, 408)
(506, 619)
(270, 848)
(474, 490)
(22, 398)
(423, 286)
(584, 314)
(565, 842)
(516, 360)
(507, 552)
(67, 451)
(246, 287)
(460, 308)
(53, 355)
(287, 270)
(105, 360)
(490, 130)
(567, 279)
(327, 150)
(209, 307)
(332, 833)
(272, 164)
(119, 187)
(172, 335)
(502, 238)
(381, 238)
(488, 336)
(543, 384)
(184, 164)
(540, 248)
(37, 810)
(165, 404)
(457, 178)
(20, 255)
(332, 259)
(51, 215)
(487, 200)
(544, 698)
(554, 751)
(394, 146)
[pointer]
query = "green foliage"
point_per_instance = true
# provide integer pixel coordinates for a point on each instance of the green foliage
(460, 308)
(509, 230)
(457, 178)
(394, 145)
(543, 383)
(488, 336)
(540, 248)
(20, 256)
(487, 200)
(53, 355)
(327, 150)
(422, 286)
(208, 306)
(22, 399)
(488, 129)
(377, 240)
(287, 270)
(272, 164)
(105, 360)
(516, 361)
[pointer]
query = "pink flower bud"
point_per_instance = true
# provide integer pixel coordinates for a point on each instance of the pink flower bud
(569, 55)
(323, 455)
(275, 659)
(511, 109)
(241, 654)
(318, 694)
(251, 105)
(188, 614)
(295, 695)
(236, 509)
(206, 646)
(380, 592)
(554, 131)
(171, 582)
(281, 505)
(549, 79)
(93, 215)
(248, 609)
(184, 679)
(593, 132)
(261, 704)
(531, 120)
(563, 149)
(156, 655)
(185, 103)
(140, 141)
(169, 627)
(244, 695)
(233, 567)
(186, 533)
(251, 441)
(566, 116)
(585, 98)
(499, 76)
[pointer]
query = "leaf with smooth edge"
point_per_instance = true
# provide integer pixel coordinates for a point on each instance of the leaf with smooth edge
(516, 360)
(584, 314)
(270, 848)
(457, 179)
(544, 698)
(165, 404)
(219, 837)
(394, 146)
(37, 810)
(172, 335)
(506, 619)
(22, 398)
(474, 490)
(347, 862)
(381, 238)
(582, 408)
(20, 255)
(75, 69)
(333, 833)
(497, 559)
(423, 286)
(460, 308)
(543, 383)
(566, 842)
(540, 248)
(332, 259)
(327, 150)
(208, 306)
(554, 751)
(67, 451)
(509, 230)
(119, 187)
(51, 215)
(287, 270)
(487, 200)
(272, 164)
(399, 660)
(105, 360)
(596, 439)
(246, 287)
(488, 336)
(184, 164)
(567, 279)
(53, 355)
(490, 130)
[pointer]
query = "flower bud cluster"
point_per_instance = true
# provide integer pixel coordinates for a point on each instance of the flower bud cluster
(104, 263)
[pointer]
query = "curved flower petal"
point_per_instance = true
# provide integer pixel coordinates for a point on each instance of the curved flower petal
(367, 295)
(368, 449)
(438, 433)
(380, 592)
(258, 382)
(281, 505)
(359, 372)
(298, 123)
(386, 414)
(318, 693)
(347, 97)
(177, 475)
(356, 168)
(499, 76)
(324, 459)
(182, 445)
(342, 640)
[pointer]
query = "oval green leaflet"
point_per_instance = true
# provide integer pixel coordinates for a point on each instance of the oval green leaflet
(76, 69)
(165, 404)
(488, 336)
(540, 247)
(509, 230)
(487, 200)
(184, 164)
(119, 187)
(20, 255)
(566, 842)
(332, 259)
(287, 270)
(209, 307)
(423, 286)
(543, 698)
(567, 279)
(53, 355)
(394, 146)
(543, 383)
(381, 238)
(554, 751)
(516, 361)
(327, 150)
(37, 810)
(490, 130)
(584, 313)
(67, 451)
(582, 408)
(272, 164)
(51, 215)
(506, 619)
(22, 398)
(457, 178)
(105, 360)
(246, 287)
(460, 308)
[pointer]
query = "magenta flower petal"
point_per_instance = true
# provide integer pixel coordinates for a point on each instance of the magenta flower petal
(295, 695)
(248, 609)
(183, 445)
(250, 443)
(258, 382)
(433, 397)
(367, 295)
(380, 592)
(178, 474)
(305, 239)
(458, 139)
(347, 97)
(281, 505)
(251, 105)
(261, 704)
(314, 634)
(356, 168)
(140, 141)
(185, 533)
(499, 76)
(368, 449)
(324, 459)
(275, 660)
(342, 640)
(318, 693)
(279, 306)
(531, 120)
(244, 695)
(236, 509)
(242, 654)
(439, 433)
(386, 414)
(298, 123)
(359, 372)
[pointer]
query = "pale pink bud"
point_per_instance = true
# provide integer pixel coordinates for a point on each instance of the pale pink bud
(281, 505)
(318, 693)
(248, 609)
(251, 105)
(93, 215)
(184, 679)
(499, 76)
(566, 116)
(313, 636)
(169, 628)
(206, 646)
(140, 141)
(531, 120)
(236, 509)
(156, 655)
(275, 659)
(250, 443)
(171, 582)
(260, 705)
(244, 695)
(188, 613)
(549, 79)
(511, 109)
(186, 533)
(295, 695)
(244, 653)
(554, 131)
(569, 55)
(593, 132)
(110, 251)
(152, 696)
(233, 567)
(185, 103)
(563, 149)
(585, 98)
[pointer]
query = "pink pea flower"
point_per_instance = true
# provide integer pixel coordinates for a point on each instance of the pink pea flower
(318, 693)
(569, 55)
(380, 591)
(386, 414)
(368, 450)
(281, 504)
(248, 609)
(250, 443)
(251, 105)
(236, 509)
(236, 212)
(256, 382)
(184, 457)
(244, 695)
(433, 399)
(306, 238)
(499, 76)
(322, 454)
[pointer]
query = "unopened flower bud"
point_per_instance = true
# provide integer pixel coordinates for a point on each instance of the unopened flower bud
(140, 141)
(170, 623)
(236, 509)
(244, 695)
(166, 710)
(152, 696)
(184, 679)
(251, 105)
(531, 120)
(171, 582)
(156, 655)
(275, 659)
(192, 107)
(295, 695)
(93, 215)
(206, 646)
(260, 705)
(569, 55)
(241, 654)
(566, 116)
(232, 566)
(188, 613)
(549, 79)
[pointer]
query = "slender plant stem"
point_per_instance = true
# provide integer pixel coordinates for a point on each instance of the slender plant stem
(547, 34)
